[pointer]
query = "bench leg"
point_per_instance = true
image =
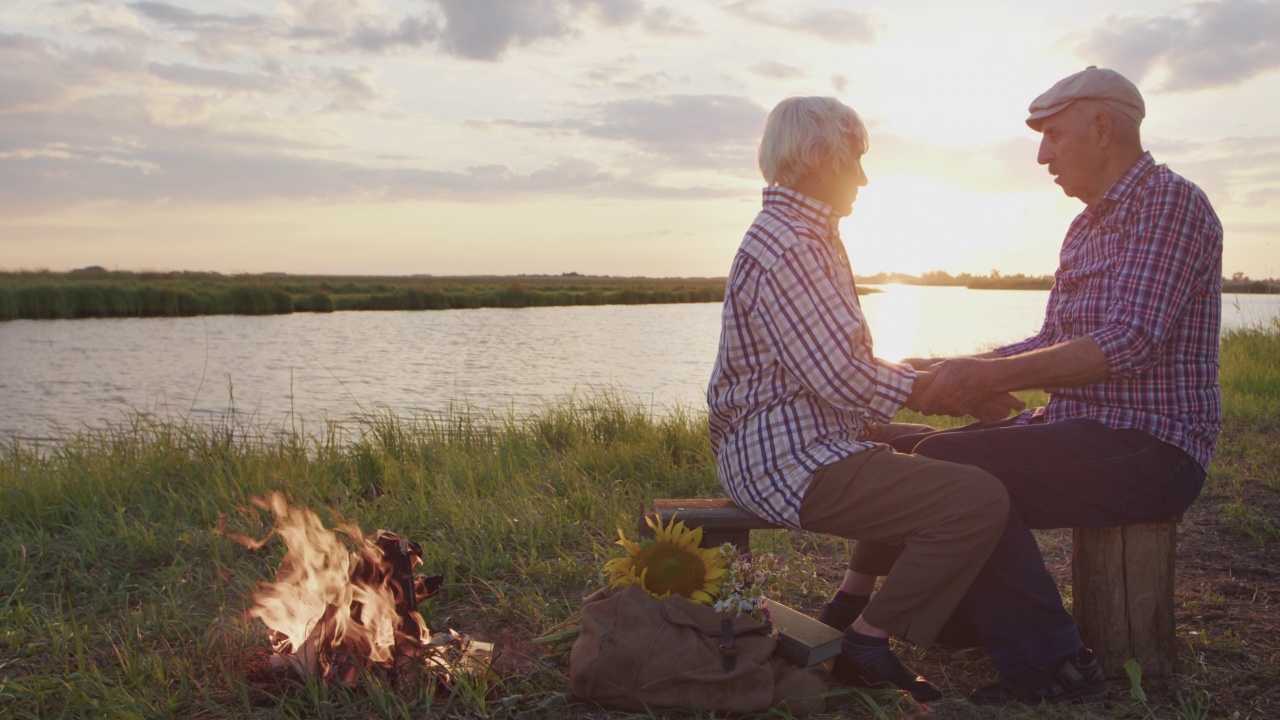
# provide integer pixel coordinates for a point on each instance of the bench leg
(1122, 585)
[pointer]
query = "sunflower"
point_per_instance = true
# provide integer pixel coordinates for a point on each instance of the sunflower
(669, 563)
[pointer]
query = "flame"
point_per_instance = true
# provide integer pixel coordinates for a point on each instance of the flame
(332, 610)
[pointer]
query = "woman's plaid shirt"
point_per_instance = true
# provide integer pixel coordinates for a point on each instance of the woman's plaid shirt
(1141, 274)
(795, 382)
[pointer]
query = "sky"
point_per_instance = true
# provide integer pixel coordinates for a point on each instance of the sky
(609, 137)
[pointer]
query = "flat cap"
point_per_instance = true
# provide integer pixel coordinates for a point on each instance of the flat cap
(1092, 83)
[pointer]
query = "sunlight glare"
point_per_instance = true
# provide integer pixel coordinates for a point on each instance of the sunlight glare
(894, 324)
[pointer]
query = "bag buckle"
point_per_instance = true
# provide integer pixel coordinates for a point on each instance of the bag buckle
(728, 645)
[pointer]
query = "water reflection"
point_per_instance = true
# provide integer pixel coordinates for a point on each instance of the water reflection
(302, 371)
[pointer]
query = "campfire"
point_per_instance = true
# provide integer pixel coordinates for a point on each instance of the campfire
(343, 603)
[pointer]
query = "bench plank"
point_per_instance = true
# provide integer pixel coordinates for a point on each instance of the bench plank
(720, 519)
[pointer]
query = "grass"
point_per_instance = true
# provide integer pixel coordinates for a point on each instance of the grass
(119, 599)
(95, 292)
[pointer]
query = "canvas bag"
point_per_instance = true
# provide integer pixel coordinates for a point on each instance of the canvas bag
(638, 653)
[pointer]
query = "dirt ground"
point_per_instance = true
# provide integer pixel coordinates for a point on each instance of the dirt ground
(1227, 614)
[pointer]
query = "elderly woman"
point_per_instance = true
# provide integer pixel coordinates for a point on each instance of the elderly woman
(797, 394)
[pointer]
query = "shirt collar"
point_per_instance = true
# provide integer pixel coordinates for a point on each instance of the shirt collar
(1129, 181)
(816, 211)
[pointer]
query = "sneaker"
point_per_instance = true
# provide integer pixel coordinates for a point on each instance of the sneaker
(1076, 677)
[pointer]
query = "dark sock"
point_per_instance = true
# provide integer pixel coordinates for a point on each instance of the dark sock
(843, 609)
(863, 649)
(844, 598)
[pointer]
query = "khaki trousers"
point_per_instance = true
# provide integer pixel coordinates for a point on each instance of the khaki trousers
(947, 517)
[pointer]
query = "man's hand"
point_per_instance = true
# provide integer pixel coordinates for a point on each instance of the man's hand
(997, 407)
(963, 386)
(921, 363)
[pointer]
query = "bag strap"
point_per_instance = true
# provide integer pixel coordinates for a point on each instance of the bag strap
(728, 635)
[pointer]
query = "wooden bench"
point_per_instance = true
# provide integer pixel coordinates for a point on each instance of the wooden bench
(1122, 579)
(1122, 590)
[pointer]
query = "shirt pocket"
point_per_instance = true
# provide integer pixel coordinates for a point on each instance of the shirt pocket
(1085, 306)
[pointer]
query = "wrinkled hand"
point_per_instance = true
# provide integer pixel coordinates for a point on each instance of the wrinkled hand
(997, 407)
(921, 363)
(964, 386)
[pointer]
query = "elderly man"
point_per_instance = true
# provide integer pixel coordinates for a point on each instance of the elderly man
(1129, 354)
(797, 390)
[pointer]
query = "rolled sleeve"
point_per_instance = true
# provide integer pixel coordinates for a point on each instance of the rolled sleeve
(1032, 343)
(822, 339)
(1167, 253)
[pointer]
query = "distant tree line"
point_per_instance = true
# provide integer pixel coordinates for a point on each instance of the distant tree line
(940, 278)
(95, 293)
(995, 280)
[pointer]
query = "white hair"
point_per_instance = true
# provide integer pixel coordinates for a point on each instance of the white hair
(803, 134)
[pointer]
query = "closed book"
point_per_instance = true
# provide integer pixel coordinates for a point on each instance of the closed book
(802, 640)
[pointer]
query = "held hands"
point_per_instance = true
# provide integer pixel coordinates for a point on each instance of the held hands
(960, 386)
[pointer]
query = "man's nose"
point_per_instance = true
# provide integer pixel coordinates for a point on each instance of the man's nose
(1045, 154)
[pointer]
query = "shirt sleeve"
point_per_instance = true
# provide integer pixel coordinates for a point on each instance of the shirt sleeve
(1171, 245)
(821, 337)
(1034, 342)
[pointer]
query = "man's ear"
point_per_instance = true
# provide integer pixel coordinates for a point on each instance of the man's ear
(1104, 126)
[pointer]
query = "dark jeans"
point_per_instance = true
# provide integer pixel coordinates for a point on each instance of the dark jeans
(1064, 474)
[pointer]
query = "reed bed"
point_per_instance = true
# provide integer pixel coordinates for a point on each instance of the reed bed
(100, 293)
(119, 599)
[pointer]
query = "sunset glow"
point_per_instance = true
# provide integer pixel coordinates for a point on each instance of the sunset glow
(600, 136)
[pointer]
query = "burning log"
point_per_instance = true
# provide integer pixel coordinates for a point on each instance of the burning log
(333, 613)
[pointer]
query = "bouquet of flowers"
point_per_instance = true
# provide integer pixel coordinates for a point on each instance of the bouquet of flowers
(725, 578)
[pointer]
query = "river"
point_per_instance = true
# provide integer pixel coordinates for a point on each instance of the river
(301, 371)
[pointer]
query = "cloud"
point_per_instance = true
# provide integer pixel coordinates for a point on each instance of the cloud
(482, 30)
(114, 21)
(36, 73)
(114, 150)
(355, 25)
(32, 86)
(193, 76)
(487, 29)
(213, 35)
(1267, 197)
(626, 75)
(57, 180)
(665, 22)
(1233, 171)
(189, 19)
(1207, 45)
(835, 25)
(776, 70)
(351, 89)
(711, 132)
(411, 32)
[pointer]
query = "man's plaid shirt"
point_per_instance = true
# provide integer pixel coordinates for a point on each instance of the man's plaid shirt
(1141, 273)
(795, 382)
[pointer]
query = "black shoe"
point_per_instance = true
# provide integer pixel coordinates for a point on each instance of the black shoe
(1076, 677)
(887, 672)
(840, 615)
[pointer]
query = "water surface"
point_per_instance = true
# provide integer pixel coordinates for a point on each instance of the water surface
(303, 370)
